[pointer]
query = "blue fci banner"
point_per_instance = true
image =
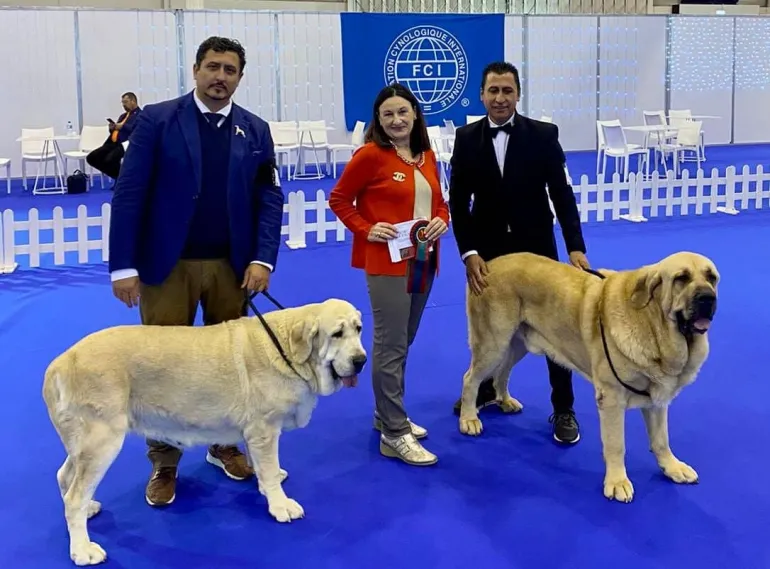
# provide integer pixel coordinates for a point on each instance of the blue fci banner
(439, 57)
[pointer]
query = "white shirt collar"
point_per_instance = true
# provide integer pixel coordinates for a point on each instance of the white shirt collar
(509, 121)
(224, 111)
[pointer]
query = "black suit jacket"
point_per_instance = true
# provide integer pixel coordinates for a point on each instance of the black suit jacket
(511, 213)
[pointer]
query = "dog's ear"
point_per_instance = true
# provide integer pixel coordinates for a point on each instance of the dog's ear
(644, 288)
(301, 339)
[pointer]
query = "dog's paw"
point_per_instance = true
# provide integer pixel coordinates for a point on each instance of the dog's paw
(471, 427)
(89, 554)
(680, 472)
(93, 508)
(510, 405)
(619, 489)
(286, 510)
(283, 475)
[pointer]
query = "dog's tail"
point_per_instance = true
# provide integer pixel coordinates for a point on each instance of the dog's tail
(54, 390)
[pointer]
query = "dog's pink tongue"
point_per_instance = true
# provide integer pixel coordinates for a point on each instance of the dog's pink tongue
(702, 324)
(350, 381)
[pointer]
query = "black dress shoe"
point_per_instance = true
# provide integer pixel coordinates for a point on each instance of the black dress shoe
(485, 397)
(565, 427)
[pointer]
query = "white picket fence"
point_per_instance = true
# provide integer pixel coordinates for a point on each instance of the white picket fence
(656, 197)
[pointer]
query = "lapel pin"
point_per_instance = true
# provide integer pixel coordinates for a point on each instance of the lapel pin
(239, 132)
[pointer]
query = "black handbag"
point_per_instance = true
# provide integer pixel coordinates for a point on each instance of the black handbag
(77, 182)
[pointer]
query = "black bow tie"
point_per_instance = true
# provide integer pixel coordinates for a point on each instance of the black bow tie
(506, 128)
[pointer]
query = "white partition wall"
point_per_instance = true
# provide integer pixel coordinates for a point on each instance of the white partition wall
(561, 62)
(701, 71)
(257, 32)
(311, 70)
(70, 65)
(39, 78)
(632, 68)
(514, 52)
(752, 80)
(143, 59)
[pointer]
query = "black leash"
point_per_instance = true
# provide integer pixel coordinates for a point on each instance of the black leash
(631, 388)
(273, 337)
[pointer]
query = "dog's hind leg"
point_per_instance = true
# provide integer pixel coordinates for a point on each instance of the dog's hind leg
(99, 444)
(507, 403)
(68, 431)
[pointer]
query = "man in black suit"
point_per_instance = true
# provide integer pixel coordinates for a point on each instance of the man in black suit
(509, 165)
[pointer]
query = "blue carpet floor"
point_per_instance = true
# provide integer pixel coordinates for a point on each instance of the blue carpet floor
(509, 499)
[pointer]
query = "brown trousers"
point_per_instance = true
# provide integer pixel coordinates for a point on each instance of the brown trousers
(174, 302)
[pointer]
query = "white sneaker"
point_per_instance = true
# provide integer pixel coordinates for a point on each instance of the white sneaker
(408, 449)
(418, 431)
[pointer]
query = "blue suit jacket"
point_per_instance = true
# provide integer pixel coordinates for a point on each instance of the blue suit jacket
(160, 180)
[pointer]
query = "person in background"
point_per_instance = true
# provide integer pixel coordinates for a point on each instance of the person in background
(393, 178)
(196, 218)
(510, 165)
(108, 156)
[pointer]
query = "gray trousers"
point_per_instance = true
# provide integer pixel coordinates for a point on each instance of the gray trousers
(397, 316)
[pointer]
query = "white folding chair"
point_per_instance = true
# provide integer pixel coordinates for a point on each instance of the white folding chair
(91, 138)
(357, 139)
(285, 140)
(616, 146)
(6, 163)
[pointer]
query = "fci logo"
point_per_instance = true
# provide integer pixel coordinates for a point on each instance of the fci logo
(430, 62)
(399, 176)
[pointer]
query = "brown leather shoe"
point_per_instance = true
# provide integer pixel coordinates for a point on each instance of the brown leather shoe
(161, 489)
(231, 460)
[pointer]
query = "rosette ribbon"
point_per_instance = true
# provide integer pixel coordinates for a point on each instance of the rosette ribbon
(419, 266)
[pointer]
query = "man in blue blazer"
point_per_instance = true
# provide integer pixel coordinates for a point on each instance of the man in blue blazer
(196, 218)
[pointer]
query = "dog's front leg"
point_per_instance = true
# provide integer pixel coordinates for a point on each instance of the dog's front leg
(262, 440)
(612, 420)
(656, 421)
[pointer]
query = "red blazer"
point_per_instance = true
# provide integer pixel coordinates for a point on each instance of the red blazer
(368, 180)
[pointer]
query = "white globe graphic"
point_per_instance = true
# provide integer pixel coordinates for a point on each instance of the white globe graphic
(429, 62)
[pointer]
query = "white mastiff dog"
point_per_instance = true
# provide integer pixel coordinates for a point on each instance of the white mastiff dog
(195, 386)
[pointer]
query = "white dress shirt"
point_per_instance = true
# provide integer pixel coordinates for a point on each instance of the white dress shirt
(500, 144)
(224, 111)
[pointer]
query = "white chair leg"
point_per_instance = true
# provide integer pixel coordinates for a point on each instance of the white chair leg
(598, 160)
(604, 168)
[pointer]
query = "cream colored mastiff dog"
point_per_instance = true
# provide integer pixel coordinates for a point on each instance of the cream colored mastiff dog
(195, 386)
(638, 336)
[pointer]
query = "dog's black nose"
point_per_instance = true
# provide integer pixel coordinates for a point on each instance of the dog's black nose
(705, 304)
(359, 362)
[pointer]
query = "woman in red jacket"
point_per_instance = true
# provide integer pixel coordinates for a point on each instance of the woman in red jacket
(393, 178)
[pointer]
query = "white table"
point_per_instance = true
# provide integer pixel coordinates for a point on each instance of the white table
(299, 169)
(301, 155)
(697, 117)
(647, 130)
(49, 141)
